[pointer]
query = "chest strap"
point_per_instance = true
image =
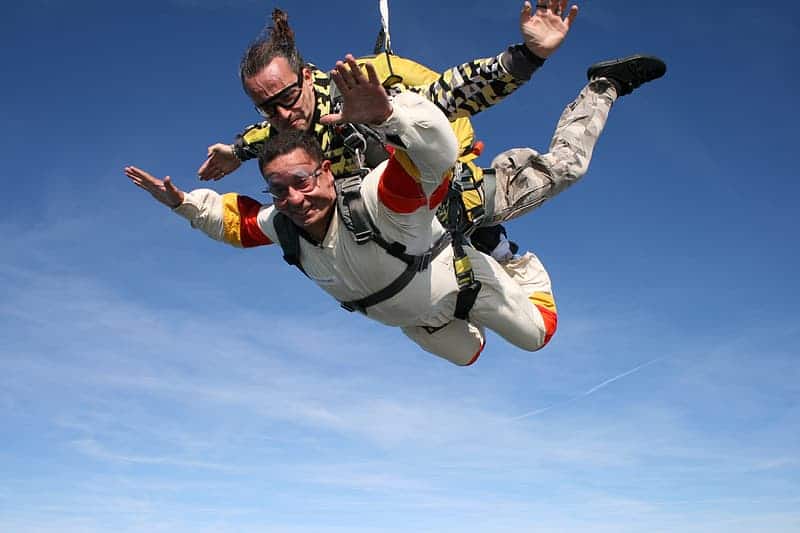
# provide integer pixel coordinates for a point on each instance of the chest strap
(354, 215)
(419, 264)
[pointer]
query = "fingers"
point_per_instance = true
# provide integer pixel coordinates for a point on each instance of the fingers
(142, 179)
(135, 173)
(372, 75)
(169, 186)
(526, 10)
(333, 118)
(204, 172)
(573, 12)
(216, 166)
(347, 74)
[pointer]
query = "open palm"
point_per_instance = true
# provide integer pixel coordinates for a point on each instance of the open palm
(545, 28)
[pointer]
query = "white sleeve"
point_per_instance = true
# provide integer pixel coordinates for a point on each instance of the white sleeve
(423, 135)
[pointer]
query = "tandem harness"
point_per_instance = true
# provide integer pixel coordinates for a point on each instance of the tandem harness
(354, 215)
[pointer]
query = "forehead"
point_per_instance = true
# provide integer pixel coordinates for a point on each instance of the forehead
(279, 168)
(271, 79)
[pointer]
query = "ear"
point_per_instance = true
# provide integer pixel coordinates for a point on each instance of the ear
(307, 74)
(327, 175)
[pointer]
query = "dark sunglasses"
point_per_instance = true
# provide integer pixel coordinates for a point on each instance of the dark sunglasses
(286, 98)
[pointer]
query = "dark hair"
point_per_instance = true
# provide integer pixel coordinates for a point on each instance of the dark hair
(274, 41)
(288, 141)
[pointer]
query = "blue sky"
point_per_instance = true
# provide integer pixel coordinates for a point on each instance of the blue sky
(154, 380)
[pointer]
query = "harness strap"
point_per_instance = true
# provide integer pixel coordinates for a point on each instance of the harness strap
(420, 263)
(352, 210)
(468, 286)
(289, 239)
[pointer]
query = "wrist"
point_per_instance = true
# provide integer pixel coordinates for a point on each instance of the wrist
(235, 153)
(520, 61)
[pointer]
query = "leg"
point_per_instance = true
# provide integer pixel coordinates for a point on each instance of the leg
(458, 341)
(515, 301)
(525, 179)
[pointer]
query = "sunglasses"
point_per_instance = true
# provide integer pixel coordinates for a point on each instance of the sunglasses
(286, 98)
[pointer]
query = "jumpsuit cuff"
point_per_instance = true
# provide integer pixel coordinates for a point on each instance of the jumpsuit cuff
(520, 62)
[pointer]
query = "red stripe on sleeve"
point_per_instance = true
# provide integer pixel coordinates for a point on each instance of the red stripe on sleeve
(398, 190)
(251, 234)
(550, 323)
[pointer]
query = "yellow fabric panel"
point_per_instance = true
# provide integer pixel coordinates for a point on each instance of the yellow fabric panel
(472, 199)
(407, 164)
(231, 221)
(465, 135)
(256, 134)
(414, 74)
(545, 299)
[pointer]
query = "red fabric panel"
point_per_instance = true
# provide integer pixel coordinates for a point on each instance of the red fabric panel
(550, 323)
(398, 190)
(251, 234)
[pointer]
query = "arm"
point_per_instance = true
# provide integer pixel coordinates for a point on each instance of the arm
(232, 218)
(425, 151)
(472, 87)
(425, 145)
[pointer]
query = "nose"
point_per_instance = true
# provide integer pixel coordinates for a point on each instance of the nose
(283, 114)
(295, 198)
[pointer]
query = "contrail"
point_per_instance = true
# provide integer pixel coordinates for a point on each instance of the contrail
(588, 392)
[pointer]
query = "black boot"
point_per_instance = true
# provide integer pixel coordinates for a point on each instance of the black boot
(629, 72)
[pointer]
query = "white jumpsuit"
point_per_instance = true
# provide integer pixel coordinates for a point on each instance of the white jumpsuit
(402, 195)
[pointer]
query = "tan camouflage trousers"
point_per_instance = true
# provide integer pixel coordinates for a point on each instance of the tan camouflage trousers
(524, 179)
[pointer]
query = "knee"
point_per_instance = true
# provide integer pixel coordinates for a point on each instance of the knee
(466, 359)
(546, 306)
(567, 164)
(550, 319)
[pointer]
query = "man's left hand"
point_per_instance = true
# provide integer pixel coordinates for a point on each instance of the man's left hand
(546, 28)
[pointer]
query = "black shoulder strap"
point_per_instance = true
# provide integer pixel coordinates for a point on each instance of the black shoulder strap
(352, 210)
(289, 239)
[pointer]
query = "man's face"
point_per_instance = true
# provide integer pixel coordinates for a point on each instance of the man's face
(302, 189)
(286, 98)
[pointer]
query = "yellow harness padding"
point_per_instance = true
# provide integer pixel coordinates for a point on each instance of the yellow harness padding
(392, 69)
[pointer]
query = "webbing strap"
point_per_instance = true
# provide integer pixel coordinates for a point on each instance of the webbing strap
(289, 239)
(420, 263)
(468, 286)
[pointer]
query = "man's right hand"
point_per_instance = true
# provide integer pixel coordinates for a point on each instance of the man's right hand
(364, 100)
(220, 162)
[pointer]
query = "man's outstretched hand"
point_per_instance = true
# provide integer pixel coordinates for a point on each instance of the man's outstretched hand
(546, 27)
(220, 161)
(162, 190)
(364, 99)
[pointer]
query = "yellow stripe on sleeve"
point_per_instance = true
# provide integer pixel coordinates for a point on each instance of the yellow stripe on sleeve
(231, 220)
(544, 299)
(407, 164)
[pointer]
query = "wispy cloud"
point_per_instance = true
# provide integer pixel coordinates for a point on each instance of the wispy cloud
(96, 450)
(589, 391)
